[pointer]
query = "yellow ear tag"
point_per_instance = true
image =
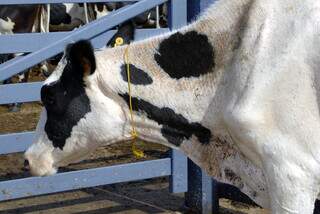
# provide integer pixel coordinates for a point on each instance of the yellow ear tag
(118, 42)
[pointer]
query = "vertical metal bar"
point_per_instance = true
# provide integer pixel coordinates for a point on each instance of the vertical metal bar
(207, 193)
(215, 196)
(85, 6)
(157, 17)
(202, 195)
(48, 19)
(193, 9)
(179, 172)
(196, 6)
(193, 196)
(177, 13)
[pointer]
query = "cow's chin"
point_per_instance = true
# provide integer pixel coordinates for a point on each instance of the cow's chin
(43, 167)
(42, 171)
(40, 160)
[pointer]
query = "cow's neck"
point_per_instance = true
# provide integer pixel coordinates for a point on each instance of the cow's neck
(180, 112)
(197, 103)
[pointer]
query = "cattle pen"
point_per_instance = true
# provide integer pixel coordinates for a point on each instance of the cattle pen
(200, 192)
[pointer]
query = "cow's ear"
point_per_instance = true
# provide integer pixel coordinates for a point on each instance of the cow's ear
(81, 55)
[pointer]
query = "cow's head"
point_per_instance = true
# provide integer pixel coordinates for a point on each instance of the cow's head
(74, 112)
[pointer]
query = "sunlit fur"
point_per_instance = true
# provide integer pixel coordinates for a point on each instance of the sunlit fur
(261, 102)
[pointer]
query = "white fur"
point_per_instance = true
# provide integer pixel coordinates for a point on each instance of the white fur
(6, 26)
(260, 102)
(103, 13)
(76, 12)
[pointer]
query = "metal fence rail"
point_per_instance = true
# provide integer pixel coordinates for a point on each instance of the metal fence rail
(26, 187)
(50, 44)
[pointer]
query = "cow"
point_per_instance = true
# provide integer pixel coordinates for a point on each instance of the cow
(67, 16)
(18, 19)
(13, 20)
(237, 91)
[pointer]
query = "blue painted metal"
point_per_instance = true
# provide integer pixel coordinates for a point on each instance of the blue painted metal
(177, 20)
(206, 187)
(146, 33)
(15, 142)
(179, 169)
(86, 32)
(195, 7)
(19, 188)
(194, 195)
(24, 42)
(202, 195)
(20, 92)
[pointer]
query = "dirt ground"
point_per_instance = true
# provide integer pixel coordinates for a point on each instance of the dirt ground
(148, 196)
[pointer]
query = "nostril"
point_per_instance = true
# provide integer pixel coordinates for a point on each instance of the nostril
(26, 163)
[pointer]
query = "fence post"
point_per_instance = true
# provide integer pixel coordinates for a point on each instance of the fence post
(202, 195)
(179, 172)
(177, 13)
(197, 6)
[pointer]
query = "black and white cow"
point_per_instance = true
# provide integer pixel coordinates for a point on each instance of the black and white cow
(66, 17)
(237, 91)
(18, 19)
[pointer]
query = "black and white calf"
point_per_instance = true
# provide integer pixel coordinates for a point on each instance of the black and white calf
(217, 89)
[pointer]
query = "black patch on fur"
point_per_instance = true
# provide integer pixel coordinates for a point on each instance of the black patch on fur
(175, 127)
(185, 55)
(66, 103)
(137, 76)
(65, 100)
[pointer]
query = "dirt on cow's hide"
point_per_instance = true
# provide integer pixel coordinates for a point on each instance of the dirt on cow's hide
(153, 193)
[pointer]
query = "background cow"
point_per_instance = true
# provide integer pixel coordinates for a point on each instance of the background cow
(18, 19)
